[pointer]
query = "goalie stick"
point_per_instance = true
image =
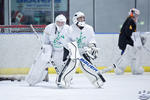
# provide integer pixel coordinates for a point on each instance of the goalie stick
(36, 34)
(39, 38)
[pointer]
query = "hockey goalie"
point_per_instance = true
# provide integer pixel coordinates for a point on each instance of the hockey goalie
(54, 39)
(82, 50)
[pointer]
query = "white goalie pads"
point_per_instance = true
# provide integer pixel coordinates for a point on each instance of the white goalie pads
(73, 49)
(38, 69)
(65, 76)
(140, 38)
(91, 72)
(137, 39)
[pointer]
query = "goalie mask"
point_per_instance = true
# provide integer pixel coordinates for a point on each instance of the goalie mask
(79, 19)
(60, 21)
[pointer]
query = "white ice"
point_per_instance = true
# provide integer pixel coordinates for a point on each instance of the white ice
(122, 87)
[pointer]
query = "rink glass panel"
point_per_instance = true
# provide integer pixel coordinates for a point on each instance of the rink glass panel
(36, 12)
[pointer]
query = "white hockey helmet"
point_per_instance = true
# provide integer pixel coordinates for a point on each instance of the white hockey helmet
(134, 12)
(75, 19)
(60, 21)
(60, 18)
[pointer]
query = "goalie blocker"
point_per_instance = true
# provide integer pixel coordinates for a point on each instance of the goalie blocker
(66, 75)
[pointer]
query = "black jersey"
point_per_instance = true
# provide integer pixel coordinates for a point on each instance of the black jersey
(127, 29)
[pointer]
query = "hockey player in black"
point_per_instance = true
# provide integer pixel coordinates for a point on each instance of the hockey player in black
(127, 29)
(129, 46)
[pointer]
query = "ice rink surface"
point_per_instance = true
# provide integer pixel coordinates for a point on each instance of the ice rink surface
(122, 87)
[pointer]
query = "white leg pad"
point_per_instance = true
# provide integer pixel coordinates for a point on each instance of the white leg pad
(64, 78)
(95, 77)
(38, 69)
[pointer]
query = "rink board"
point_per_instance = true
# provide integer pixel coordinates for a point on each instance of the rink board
(51, 70)
(18, 51)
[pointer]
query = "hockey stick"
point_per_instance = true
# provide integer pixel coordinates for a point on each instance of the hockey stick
(38, 37)
(36, 34)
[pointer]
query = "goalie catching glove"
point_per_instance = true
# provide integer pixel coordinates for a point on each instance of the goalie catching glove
(91, 51)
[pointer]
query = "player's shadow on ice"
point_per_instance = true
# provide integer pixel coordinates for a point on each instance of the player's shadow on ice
(55, 87)
(49, 85)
